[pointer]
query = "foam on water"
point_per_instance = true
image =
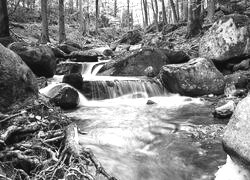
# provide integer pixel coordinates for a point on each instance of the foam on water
(232, 171)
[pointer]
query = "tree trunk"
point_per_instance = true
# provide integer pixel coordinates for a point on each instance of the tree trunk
(211, 10)
(62, 35)
(145, 5)
(115, 8)
(81, 19)
(185, 10)
(96, 14)
(71, 6)
(194, 21)
(156, 10)
(173, 10)
(45, 26)
(128, 11)
(177, 10)
(142, 12)
(4, 20)
(155, 16)
(164, 14)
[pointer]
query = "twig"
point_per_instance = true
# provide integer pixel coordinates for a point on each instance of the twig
(4, 177)
(12, 116)
(97, 164)
(54, 139)
(23, 173)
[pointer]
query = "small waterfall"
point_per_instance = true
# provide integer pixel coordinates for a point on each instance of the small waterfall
(91, 68)
(127, 88)
(54, 88)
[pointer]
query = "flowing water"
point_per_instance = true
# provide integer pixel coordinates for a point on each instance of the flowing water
(136, 141)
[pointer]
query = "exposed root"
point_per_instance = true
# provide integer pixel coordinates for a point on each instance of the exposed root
(40, 143)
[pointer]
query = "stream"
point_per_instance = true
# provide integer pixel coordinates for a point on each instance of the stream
(137, 141)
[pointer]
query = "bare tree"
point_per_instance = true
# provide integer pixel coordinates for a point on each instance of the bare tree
(45, 26)
(155, 16)
(164, 14)
(145, 5)
(128, 10)
(62, 35)
(194, 18)
(115, 8)
(185, 9)
(82, 19)
(211, 10)
(177, 10)
(96, 14)
(175, 18)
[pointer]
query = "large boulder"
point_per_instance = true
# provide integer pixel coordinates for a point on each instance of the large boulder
(231, 6)
(84, 56)
(17, 82)
(131, 37)
(227, 39)
(236, 139)
(195, 78)
(68, 68)
(40, 59)
(176, 57)
(239, 79)
(73, 79)
(62, 95)
(135, 64)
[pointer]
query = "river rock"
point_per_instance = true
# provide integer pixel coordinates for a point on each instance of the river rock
(68, 47)
(236, 139)
(150, 102)
(6, 40)
(17, 81)
(68, 67)
(195, 78)
(131, 37)
(239, 79)
(64, 96)
(228, 38)
(84, 56)
(231, 6)
(135, 64)
(243, 65)
(150, 72)
(169, 28)
(175, 57)
(225, 111)
(122, 48)
(73, 79)
(40, 59)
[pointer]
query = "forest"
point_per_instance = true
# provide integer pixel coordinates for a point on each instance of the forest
(125, 89)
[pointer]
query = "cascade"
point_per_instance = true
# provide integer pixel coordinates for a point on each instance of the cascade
(111, 87)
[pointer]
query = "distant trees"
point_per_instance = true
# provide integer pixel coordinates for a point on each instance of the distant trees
(93, 14)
